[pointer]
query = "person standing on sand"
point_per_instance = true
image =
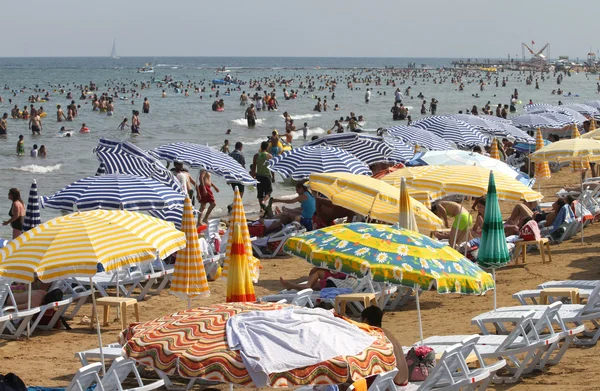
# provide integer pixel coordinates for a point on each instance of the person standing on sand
(205, 193)
(250, 116)
(146, 106)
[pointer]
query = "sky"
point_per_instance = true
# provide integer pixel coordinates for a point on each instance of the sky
(312, 28)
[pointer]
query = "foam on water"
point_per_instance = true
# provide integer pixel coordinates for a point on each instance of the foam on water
(305, 116)
(35, 169)
(244, 121)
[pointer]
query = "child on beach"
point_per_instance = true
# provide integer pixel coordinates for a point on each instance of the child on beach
(42, 151)
(123, 124)
(225, 147)
(305, 130)
(34, 151)
(207, 198)
(21, 146)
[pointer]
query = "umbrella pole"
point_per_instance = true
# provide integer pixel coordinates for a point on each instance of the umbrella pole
(97, 321)
(419, 313)
(29, 307)
(582, 221)
(462, 198)
(495, 287)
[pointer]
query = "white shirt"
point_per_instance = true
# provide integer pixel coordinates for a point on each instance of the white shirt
(368, 95)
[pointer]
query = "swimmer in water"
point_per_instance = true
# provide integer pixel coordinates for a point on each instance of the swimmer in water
(21, 146)
(123, 124)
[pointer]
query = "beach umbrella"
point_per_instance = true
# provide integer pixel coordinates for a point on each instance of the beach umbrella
(239, 278)
(193, 344)
(593, 103)
(416, 136)
(468, 158)
(114, 191)
(576, 165)
(477, 121)
(561, 119)
(238, 216)
(101, 170)
(582, 108)
(533, 121)
(563, 110)
(32, 214)
(407, 218)
(470, 181)
(207, 158)
(451, 129)
(510, 131)
(542, 169)
(122, 157)
(494, 152)
(493, 252)
(189, 277)
(299, 163)
(367, 148)
(393, 255)
(401, 152)
(494, 118)
(373, 198)
(537, 106)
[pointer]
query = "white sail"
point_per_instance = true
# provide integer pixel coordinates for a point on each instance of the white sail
(113, 53)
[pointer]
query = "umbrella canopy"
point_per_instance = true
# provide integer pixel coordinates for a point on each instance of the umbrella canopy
(238, 216)
(193, 344)
(368, 149)
(573, 114)
(593, 103)
(239, 279)
(407, 215)
(578, 165)
(493, 252)
(469, 181)
(561, 119)
(494, 152)
(417, 136)
(32, 214)
(478, 122)
(510, 131)
(390, 254)
(74, 244)
(533, 121)
(582, 108)
(493, 118)
(542, 169)
(568, 150)
(122, 157)
(538, 106)
(203, 156)
(401, 152)
(189, 277)
(371, 197)
(451, 129)
(299, 163)
(467, 158)
(114, 191)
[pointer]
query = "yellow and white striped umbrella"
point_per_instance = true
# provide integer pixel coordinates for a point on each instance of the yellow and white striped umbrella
(407, 215)
(593, 133)
(466, 180)
(72, 245)
(189, 277)
(372, 197)
(542, 169)
(581, 164)
(238, 215)
(568, 150)
(494, 152)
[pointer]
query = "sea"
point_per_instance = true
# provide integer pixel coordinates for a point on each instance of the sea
(180, 118)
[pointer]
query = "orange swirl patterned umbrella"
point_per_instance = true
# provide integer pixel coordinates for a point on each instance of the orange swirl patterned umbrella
(239, 278)
(189, 276)
(193, 344)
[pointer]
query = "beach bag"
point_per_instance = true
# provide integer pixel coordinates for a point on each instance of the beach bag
(530, 231)
(420, 361)
(11, 382)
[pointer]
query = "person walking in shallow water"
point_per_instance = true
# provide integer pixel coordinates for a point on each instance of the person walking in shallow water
(250, 116)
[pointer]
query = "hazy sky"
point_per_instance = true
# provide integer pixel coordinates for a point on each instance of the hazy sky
(355, 28)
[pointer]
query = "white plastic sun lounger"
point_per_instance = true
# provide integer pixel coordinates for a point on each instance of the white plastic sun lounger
(534, 295)
(259, 245)
(15, 320)
(526, 339)
(73, 290)
(120, 369)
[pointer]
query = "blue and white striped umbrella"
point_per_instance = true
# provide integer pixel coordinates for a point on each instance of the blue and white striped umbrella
(32, 214)
(114, 191)
(173, 215)
(576, 116)
(459, 132)
(534, 121)
(477, 122)
(507, 130)
(197, 155)
(367, 148)
(401, 152)
(299, 163)
(122, 157)
(561, 119)
(593, 103)
(101, 170)
(417, 136)
(493, 118)
(582, 108)
(537, 106)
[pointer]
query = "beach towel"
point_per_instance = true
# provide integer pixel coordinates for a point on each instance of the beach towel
(281, 340)
(331, 293)
(530, 231)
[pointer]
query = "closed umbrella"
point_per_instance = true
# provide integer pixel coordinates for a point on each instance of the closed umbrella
(32, 214)
(299, 163)
(542, 169)
(239, 279)
(207, 158)
(407, 218)
(576, 165)
(493, 252)
(189, 277)
(494, 152)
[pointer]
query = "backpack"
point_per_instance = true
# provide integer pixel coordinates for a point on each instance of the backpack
(420, 361)
(11, 382)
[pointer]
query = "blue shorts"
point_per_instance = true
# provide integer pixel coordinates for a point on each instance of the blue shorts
(307, 223)
(275, 151)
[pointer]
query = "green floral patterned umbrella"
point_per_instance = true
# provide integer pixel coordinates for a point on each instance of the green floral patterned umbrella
(493, 252)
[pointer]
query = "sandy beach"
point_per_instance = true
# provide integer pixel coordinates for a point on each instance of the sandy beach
(47, 359)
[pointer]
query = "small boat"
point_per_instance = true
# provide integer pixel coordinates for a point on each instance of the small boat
(148, 68)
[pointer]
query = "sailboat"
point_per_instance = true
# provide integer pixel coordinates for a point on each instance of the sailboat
(113, 53)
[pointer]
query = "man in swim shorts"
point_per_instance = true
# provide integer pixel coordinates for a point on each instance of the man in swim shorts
(262, 173)
(35, 124)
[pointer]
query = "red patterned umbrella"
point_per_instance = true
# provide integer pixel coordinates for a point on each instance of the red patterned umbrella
(193, 344)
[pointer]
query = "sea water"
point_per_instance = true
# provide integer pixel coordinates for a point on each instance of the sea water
(179, 118)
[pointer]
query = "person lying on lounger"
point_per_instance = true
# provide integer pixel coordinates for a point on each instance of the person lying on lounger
(317, 280)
